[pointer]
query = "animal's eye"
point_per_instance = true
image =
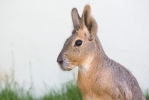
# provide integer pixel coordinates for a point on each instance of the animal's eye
(78, 43)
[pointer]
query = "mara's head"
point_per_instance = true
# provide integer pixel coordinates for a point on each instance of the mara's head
(81, 46)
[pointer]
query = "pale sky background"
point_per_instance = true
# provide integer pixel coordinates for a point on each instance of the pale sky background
(32, 33)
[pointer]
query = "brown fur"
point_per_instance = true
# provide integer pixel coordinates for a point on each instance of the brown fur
(99, 77)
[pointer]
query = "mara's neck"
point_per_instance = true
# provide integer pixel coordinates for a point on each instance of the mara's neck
(100, 56)
(96, 61)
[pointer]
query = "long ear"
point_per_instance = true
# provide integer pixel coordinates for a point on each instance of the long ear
(88, 21)
(75, 18)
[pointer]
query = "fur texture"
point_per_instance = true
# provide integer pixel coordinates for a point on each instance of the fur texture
(99, 77)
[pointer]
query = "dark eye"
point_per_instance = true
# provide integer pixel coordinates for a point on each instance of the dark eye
(78, 43)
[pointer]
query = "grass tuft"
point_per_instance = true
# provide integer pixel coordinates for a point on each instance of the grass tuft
(12, 91)
(69, 91)
(147, 95)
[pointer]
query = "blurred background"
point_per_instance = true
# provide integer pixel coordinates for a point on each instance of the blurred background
(32, 33)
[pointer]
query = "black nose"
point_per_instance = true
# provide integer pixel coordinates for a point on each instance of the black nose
(60, 61)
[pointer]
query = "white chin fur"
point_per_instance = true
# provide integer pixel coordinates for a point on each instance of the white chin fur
(66, 66)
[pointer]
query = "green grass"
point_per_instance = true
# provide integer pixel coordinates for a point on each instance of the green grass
(147, 95)
(69, 91)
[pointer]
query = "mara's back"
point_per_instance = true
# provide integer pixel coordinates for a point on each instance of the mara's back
(125, 81)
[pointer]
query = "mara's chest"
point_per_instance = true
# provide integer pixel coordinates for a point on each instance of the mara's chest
(96, 85)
